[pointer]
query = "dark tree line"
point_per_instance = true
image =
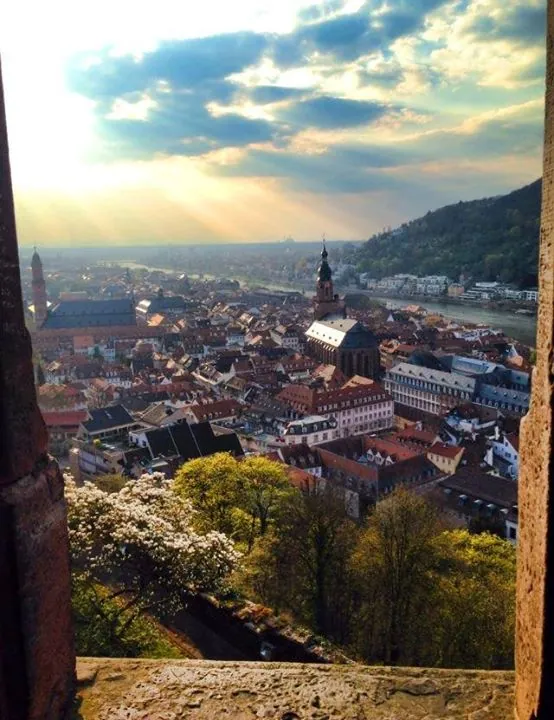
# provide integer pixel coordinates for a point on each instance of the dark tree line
(490, 239)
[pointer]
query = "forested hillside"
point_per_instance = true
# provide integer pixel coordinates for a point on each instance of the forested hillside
(490, 239)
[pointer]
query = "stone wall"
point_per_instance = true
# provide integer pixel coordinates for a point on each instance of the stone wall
(202, 690)
(535, 586)
(39, 671)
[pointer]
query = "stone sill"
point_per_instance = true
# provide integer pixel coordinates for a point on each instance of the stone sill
(118, 689)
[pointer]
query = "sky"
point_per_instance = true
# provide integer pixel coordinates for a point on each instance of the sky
(179, 122)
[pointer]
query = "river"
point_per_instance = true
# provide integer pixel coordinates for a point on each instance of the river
(519, 327)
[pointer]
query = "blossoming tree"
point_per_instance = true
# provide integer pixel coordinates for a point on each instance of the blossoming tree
(140, 543)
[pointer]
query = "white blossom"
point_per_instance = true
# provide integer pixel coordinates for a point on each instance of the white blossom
(142, 539)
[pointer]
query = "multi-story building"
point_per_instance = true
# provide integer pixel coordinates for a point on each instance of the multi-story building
(432, 285)
(430, 390)
(503, 454)
(531, 295)
(369, 468)
(287, 336)
(508, 401)
(310, 430)
(472, 495)
(357, 409)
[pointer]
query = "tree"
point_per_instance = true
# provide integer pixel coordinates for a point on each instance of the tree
(476, 623)
(140, 543)
(393, 564)
(213, 486)
(266, 489)
(240, 498)
(101, 629)
(301, 565)
(111, 483)
(429, 596)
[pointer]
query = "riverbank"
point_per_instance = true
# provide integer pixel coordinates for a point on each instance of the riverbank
(519, 327)
(509, 306)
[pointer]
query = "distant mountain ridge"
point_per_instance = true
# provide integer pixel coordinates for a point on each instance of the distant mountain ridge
(494, 238)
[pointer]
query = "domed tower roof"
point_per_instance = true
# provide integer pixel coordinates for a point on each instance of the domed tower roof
(324, 271)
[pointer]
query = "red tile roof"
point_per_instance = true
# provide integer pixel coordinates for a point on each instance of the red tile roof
(215, 410)
(447, 451)
(71, 418)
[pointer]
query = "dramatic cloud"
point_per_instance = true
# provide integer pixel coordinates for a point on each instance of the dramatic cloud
(357, 167)
(331, 112)
(319, 173)
(179, 80)
(348, 36)
(522, 24)
(408, 99)
(183, 64)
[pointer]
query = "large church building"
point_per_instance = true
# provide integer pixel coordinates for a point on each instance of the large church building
(335, 339)
(77, 314)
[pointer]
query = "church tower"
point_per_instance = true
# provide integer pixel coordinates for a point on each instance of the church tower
(39, 291)
(326, 303)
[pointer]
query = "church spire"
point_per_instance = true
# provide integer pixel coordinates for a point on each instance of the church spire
(324, 273)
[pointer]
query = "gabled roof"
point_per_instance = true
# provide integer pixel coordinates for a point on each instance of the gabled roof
(447, 451)
(209, 443)
(185, 441)
(161, 442)
(489, 488)
(71, 418)
(102, 419)
(451, 380)
(343, 333)
(215, 410)
(156, 413)
(91, 313)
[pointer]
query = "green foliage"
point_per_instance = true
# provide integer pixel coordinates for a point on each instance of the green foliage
(401, 590)
(361, 302)
(214, 487)
(104, 629)
(301, 564)
(490, 239)
(239, 498)
(476, 601)
(393, 566)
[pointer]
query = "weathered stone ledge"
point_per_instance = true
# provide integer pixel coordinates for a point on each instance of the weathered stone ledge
(114, 689)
